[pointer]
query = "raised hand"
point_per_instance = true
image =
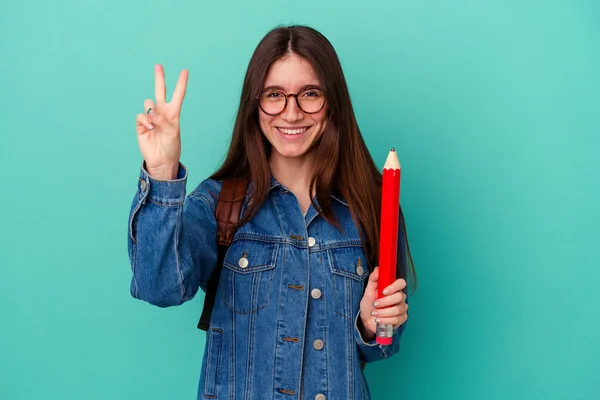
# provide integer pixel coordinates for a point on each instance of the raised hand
(158, 130)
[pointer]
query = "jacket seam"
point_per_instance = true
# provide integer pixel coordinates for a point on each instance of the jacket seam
(133, 265)
(134, 213)
(176, 252)
(159, 203)
(206, 200)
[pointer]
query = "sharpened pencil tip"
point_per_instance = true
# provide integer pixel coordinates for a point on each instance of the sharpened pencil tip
(392, 162)
(393, 149)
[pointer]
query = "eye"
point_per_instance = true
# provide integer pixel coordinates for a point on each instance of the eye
(311, 94)
(272, 95)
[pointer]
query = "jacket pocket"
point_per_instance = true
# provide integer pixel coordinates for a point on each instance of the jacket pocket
(247, 275)
(349, 268)
(211, 381)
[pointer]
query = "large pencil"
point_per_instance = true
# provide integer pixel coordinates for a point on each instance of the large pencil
(388, 238)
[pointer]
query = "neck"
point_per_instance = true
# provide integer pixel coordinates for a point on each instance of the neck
(294, 173)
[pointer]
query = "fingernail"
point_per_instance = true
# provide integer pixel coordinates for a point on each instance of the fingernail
(386, 291)
(152, 114)
(377, 320)
(376, 304)
(373, 313)
(150, 126)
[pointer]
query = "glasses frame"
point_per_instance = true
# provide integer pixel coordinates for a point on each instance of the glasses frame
(286, 96)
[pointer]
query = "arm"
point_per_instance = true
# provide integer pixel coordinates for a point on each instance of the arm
(171, 241)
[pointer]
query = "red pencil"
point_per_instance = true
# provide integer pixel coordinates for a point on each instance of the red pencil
(388, 238)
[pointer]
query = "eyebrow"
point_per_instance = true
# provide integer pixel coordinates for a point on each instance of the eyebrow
(305, 87)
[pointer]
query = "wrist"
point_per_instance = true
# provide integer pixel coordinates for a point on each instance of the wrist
(163, 173)
(366, 334)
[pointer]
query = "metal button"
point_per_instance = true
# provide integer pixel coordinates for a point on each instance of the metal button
(311, 241)
(318, 344)
(143, 185)
(320, 396)
(243, 263)
(315, 293)
(360, 270)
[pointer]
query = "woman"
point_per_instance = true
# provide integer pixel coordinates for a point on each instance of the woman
(295, 311)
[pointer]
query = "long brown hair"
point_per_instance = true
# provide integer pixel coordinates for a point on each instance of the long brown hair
(346, 167)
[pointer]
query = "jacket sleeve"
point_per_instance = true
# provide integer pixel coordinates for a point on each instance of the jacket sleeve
(372, 351)
(171, 240)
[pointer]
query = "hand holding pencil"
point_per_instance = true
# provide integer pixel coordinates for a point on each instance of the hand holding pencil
(389, 310)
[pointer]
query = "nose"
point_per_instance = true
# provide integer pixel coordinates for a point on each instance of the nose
(292, 112)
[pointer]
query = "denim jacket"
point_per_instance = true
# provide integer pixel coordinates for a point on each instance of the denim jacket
(284, 324)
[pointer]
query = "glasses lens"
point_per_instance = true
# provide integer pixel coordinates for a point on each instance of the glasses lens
(272, 101)
(311, 100)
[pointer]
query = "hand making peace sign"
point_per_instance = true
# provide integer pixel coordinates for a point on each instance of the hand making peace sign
(158, 127)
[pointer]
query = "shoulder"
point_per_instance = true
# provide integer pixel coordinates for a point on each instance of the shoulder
(208, 191)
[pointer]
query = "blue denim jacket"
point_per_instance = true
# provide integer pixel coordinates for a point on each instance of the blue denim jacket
(284, 325)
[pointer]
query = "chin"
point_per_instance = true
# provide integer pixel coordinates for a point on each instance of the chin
(290, 153)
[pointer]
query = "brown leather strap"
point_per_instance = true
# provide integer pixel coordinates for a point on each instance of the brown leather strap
(229, 207)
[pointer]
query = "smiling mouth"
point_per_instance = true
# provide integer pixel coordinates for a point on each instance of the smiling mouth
(295, 131)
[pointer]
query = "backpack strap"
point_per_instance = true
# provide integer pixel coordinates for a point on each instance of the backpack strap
(227, 214)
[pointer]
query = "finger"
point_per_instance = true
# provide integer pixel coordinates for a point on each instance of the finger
(179, 93)
(160, 90)
(143, 124)
(390, 300)
(397, 286)
(393, 311)
(158, 120)
(148, 104)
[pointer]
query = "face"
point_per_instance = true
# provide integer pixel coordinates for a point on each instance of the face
(292, 132)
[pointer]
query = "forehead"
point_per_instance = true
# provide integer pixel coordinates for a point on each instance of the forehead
(291, 73)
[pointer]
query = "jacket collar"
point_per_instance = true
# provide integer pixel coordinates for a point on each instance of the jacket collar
(276, 184)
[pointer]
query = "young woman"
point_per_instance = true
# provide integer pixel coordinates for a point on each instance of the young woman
(296, 306)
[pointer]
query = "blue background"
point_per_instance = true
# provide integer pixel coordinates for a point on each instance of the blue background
(493, 107)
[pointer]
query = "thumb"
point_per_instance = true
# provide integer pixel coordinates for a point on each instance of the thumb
(373, 278)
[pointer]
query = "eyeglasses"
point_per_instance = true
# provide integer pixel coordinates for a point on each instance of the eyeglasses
(310, 101)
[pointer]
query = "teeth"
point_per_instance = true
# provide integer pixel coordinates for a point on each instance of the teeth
(292, 131)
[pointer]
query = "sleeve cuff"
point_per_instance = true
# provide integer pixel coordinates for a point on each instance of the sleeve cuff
(165, 192)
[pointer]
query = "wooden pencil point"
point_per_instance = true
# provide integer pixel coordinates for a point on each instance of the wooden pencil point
(392, 161)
